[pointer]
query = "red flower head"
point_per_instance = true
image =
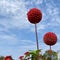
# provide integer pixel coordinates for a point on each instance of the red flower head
(34, 15)
(8, 58)
(21, 57)
(26, 53)
(50, 38)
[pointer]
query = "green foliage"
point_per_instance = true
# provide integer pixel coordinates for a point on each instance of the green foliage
(48, 56)
(34, 54)
(1, 58)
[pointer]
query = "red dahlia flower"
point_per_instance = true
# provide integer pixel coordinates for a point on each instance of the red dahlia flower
(34, 15)
(8, 58)
(50, 38)
(21, 57)
(26, 53)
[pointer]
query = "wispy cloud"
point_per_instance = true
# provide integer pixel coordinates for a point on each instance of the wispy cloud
(12, 13)
(13, 18)
(36, 2)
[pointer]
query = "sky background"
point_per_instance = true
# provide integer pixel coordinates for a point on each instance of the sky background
(17, 34)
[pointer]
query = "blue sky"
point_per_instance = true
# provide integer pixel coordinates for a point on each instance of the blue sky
(17, 35)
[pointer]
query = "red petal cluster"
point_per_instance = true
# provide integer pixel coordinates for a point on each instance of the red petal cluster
(8, 58)
(34, 15)
(21, 57)
(50, 38)
(26, 53)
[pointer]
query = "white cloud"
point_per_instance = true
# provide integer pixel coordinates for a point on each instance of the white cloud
(39, 2)
(8, 39)
(11, 6)
(15, 52)
(39, 27)
(15, 13)
(50, 17)
(56, 46)
(34, 2)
